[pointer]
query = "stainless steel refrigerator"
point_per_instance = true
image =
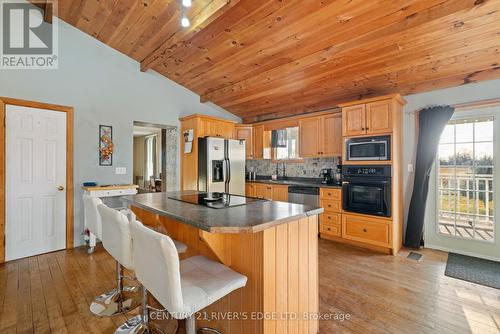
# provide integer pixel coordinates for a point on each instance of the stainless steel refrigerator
(221, 165)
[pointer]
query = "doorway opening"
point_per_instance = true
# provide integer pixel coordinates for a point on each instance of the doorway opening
(155, 157)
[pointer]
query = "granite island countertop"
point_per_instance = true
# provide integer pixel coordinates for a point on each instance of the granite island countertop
(251, 218)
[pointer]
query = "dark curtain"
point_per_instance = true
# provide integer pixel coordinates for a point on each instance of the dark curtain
(431, 124)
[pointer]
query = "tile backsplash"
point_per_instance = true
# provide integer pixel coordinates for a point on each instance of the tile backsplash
(309, 168)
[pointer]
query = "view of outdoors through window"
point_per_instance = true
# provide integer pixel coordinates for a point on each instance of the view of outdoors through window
(465, 179)
(291, 151)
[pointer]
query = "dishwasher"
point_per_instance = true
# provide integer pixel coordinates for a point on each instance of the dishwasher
(304, 195)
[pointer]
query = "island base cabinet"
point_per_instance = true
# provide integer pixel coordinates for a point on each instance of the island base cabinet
(281, 264)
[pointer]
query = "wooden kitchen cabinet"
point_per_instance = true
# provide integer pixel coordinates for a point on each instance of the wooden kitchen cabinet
(263, 190)
(321, 136)
(245, 132)
(331, 135)
(354, 120)
(378, 117)
(309, 132)
(217, 128)
(250, 189)
(280, 193)
(367, 119)
(261, 143)
(275, 192)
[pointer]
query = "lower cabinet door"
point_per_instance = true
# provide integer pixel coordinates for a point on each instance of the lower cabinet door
(368, 230)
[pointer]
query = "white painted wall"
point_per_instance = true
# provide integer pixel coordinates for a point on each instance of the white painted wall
(467, 93)
(105, 87)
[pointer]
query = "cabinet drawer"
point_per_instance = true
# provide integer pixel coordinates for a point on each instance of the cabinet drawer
(372, 231)
(330, 218)
(330, 193)
(331, 229)
(331, 206)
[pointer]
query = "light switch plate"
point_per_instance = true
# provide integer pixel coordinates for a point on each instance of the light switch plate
(121, 170)
(410, 168)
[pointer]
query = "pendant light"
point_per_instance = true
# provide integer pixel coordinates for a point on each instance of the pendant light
(186, 3)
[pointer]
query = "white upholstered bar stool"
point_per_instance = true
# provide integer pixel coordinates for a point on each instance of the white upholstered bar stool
(182, 287)
(117, 242)
(106, 303)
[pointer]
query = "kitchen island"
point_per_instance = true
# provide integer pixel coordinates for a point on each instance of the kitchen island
(275, 244)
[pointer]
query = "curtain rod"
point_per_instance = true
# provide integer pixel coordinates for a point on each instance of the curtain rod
(470, 105)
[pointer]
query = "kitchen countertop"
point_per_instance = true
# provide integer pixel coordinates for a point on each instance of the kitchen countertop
(296, 182)
(251, 218)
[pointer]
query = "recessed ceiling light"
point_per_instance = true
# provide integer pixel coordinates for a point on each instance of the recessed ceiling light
(185, 22)
(186, 3)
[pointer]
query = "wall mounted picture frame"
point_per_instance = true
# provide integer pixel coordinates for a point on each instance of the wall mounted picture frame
(106, 145)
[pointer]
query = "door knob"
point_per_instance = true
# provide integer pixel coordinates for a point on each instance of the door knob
(60, 188)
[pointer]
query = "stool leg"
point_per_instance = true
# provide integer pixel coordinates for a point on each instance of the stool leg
(114, 302)
(140, 323)
(191, 325)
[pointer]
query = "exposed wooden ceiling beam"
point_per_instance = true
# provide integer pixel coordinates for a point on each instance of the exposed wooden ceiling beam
(210, 13)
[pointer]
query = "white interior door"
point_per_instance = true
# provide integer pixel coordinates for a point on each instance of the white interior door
(35, 181)
(461, 213)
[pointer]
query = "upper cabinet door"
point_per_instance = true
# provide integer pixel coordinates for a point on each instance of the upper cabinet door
(354, 122)
(378, 117)
(331, 135)
(258, 142)
(245, 132)
(225, 130)
(309, 134)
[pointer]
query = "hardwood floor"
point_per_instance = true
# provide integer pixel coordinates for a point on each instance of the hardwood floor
(391, 294)
(51, 293)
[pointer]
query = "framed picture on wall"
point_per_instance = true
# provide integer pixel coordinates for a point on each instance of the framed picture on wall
(105, 145)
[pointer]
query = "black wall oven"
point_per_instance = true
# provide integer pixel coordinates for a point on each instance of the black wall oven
(368, 148)
(367, 190)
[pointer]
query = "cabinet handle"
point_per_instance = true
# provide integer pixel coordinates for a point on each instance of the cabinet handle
(329, 194)
(329, 229)
(329, 217)
(364, 230)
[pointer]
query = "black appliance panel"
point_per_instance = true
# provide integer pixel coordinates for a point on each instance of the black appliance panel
(367, 190)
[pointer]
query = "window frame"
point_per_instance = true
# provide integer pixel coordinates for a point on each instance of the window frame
(494, 183)
(274, 152)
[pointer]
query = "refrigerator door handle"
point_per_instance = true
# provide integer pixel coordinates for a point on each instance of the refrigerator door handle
(226, 162)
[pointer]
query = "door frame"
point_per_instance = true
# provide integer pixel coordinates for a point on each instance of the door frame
(469, 247)
(4, 101)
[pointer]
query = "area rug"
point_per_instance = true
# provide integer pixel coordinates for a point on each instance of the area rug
(473, 269)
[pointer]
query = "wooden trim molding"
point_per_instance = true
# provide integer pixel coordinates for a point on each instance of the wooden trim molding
(4, 101)
(477, 104)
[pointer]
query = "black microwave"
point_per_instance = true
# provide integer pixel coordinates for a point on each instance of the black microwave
(368, 148)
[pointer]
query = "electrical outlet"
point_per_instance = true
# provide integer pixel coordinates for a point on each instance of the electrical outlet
(120, 170)
(410, 168)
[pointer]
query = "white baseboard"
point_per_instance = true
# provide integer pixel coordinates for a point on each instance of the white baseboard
(444, 249)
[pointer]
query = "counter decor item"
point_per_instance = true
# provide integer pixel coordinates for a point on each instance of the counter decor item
(105, 145)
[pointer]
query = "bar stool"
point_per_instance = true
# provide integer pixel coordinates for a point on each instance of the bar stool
(117, 241)
(182, 287)
(106, 303)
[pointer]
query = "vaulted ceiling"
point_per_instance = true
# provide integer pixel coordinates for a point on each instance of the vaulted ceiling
(263, 59)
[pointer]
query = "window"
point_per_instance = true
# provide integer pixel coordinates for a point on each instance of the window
(465, 179)
(291, 151)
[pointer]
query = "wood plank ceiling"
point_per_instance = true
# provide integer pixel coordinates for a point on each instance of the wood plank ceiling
(262, 59)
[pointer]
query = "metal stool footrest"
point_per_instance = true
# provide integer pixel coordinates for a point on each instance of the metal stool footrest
(208, 330)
